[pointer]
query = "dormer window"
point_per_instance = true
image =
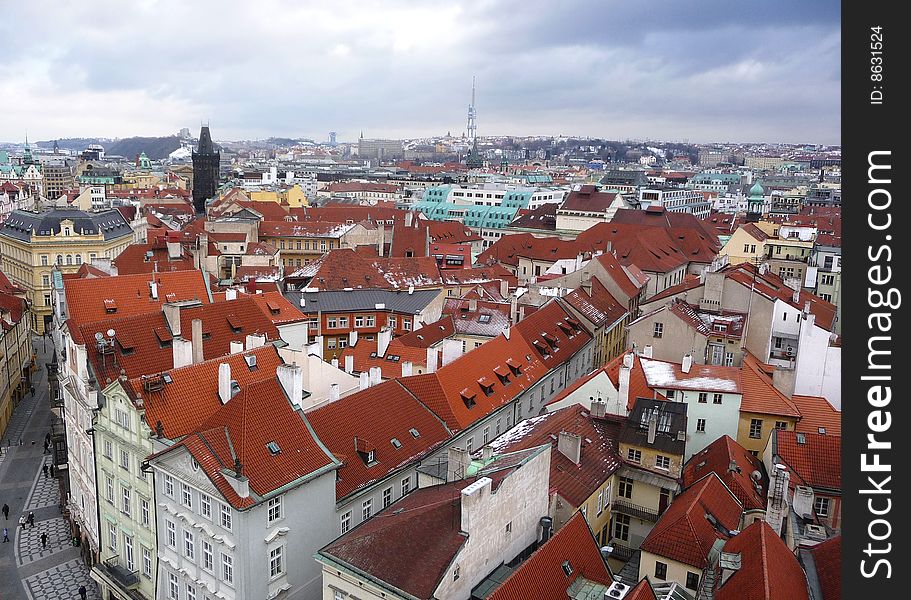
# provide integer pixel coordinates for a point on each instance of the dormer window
(468, 398)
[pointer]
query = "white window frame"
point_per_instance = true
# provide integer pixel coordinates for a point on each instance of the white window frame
(275, 512)
(277, 562)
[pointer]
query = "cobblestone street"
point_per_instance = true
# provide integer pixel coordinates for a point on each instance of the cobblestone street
(28, 570)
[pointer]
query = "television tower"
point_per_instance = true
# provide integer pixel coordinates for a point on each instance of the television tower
(472, 116)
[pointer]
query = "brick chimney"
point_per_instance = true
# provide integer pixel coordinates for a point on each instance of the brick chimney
(196, 329)
(570, 445)
(224, 382)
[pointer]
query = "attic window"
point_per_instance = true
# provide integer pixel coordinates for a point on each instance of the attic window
(172, 297)
(565, 327)
(567, 568)
(273, 308)
(541, 348)
(801, 438)
(273, 448)
(234, 323)
(414, 433)
(395, 443)
(484, 319)
(514, 366)
(468, 398)
(822, 430)
(110, 306)
(251, 361)
(486, 386)
(549, 339)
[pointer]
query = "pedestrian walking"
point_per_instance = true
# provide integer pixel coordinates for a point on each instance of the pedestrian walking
(44, 540)
(5, 535)
(31, 519)
(6, 511)
(22, 521)
(44, 470)
(83, 593)
(46, 448)
(53, 471)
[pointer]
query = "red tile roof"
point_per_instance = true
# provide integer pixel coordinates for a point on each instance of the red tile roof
(642, 591)
(816, 461)
(706, 378)
(480, 274)
(735, 466)
(768, 568)
(303, 229)
(131, 294)
(629, 281)
(760, 395)
(816, 413)
(598, 306)
(344, 268)
(277, 308)
(409, 241)
(827, 558)
(238, 431)
(428, 335)
(140, 349)
(599, 458)
(773, 287)
(488, 319)
(452, 232)
(652, 249)
(638, 385)
(192, 395)
(666, 219)
(376, 416)
(358, 186)
(588, 199)
(543, 575)
(133, 260)
(684, 533)
(364, 360)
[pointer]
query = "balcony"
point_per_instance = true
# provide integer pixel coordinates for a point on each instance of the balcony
(120, 575)
(634, 510)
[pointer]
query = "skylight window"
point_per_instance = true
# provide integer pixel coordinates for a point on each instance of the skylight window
(273, 448)
(484, 319)
(396, 443)
(414, 433)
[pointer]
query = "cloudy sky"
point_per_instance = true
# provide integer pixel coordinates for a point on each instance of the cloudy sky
(707, 70)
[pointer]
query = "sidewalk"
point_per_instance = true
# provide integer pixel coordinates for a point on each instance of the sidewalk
(29, 571)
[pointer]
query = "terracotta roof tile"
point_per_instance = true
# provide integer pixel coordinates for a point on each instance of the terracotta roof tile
(376, 415)
(760, 395)
(827, 558)
(543, 575)
(768, 568)
(598, 306)
(735, 466)
(277, 308)
(599, 458)
(684, 533)
(814, 459)
(816, 413)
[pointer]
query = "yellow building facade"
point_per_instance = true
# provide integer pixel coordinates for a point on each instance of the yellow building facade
(32, 244)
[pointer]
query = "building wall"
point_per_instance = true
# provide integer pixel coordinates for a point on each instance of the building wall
(720, 419)
(769, 422)
(676, 571)
(306, 526)
(15, 354)
(132, 492)
(734, 248)
(521, 501)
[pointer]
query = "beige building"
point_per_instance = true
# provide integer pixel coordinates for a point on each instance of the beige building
(747, 244)
(15, 352)
(32, 244)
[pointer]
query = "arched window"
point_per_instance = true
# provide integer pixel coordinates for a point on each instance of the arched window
(69, 259)
(78, 259)
(59, 259)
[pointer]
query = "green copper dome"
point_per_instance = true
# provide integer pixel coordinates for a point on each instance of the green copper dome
(756, 190)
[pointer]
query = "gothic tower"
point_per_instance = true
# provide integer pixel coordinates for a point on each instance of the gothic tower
(205, 170)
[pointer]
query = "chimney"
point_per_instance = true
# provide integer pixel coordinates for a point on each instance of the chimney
(230, 294)
(407, 369)
(452, 349)
(224, 382)
(196, 328)
(570, 445)
(432, 358)
(172, 316)
(174, 251)
(182, 351)
(333, 392)
(457, 462)
(352, 337)
(647, 351)
(236, 346)
(487, 453)
(255, 340)
(376, 375)
(334, 362)
(349, 363)
(795, 296)
(623, 384)
(364, 382)
(153, 290)
(687, 363)
(290, 377)
(409, 216)
(316, 348)
(598, 408)
(587, 283)
(504, 288)
(652, 427)
(473, 497)
(382, 341)
(473, 305)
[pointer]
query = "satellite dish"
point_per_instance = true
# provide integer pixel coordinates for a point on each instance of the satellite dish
(98, 336)
(110, 333)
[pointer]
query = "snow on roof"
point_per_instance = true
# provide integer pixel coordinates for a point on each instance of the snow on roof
(661, 374)
(518, 432)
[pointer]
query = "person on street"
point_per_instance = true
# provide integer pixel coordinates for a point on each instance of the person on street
(53, 471)
(22, 521)
(83, 593)
(31, 519)
(6, 511)
(5, 535)
(44, 540)
(44, 470)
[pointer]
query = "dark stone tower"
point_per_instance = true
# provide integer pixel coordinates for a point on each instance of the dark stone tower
(205, 170)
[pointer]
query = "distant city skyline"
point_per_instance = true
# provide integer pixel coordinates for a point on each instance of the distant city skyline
(700, 72)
